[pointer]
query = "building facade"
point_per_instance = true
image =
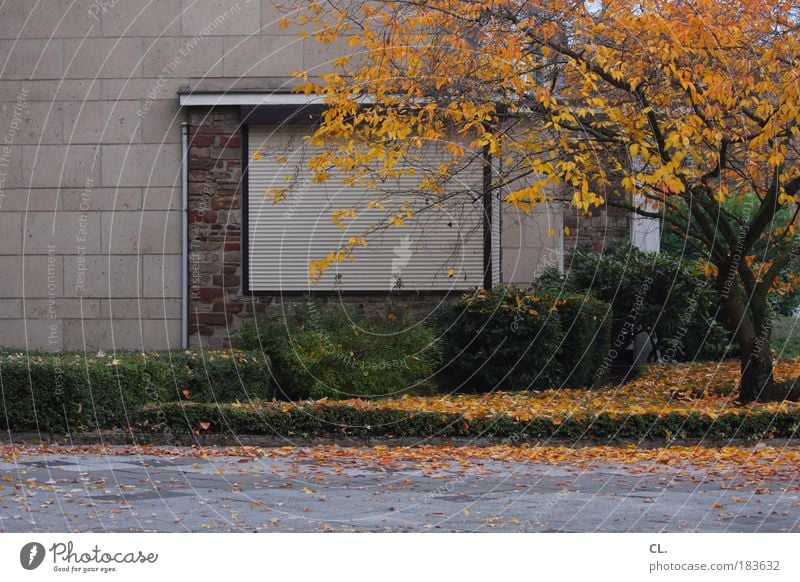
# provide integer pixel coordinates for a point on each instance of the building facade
(129, 216)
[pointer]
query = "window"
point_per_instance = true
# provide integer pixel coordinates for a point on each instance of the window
(436, 250)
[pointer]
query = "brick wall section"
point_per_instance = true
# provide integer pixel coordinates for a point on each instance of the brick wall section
(217, 308)
(215, 218)
(604, 228)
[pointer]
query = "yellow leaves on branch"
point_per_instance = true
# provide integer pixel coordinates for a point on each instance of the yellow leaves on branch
(400, 218)
(277, 194)
(670, 87)
(339, 215)
(355, 241)
(526, 198)
(787, 199)
(317, 267)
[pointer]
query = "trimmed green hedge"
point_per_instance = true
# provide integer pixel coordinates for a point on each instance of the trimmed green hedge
(334, 420)
(69, 392)
(510, 339)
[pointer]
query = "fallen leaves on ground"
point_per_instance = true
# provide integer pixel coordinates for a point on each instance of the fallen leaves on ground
(705, 388)
(761, 463)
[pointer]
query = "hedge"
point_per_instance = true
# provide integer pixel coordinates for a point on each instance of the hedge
(510, 339)
(69, 392)
(307, 420)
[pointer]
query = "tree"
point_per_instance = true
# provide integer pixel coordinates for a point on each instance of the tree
(684, 110)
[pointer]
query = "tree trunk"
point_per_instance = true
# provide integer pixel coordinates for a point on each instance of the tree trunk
(757, 382)
(753, 330)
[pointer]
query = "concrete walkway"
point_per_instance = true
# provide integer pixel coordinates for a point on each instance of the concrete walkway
(296, 493)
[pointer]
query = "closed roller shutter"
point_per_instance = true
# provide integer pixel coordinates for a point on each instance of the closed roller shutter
(440, 249)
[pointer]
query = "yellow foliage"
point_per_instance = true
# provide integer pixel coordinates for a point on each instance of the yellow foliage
(337, 216)
(680, 107)
(317, 267)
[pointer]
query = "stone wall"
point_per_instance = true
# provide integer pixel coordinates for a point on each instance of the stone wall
(90, 156)
(601, 229)
(215, 219)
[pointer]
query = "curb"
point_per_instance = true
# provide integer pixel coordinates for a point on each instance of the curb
(218, 440)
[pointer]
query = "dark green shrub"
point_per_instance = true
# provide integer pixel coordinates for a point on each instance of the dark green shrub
(786, 337)
(65, 392)
(502, 338)
(658, 292)
(271, 337)
(586, 323)
(68, 392)
(322, 351)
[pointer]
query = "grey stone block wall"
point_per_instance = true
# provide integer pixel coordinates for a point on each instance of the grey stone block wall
(90, 156)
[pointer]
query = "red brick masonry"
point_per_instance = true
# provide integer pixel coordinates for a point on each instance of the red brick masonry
(215, 219)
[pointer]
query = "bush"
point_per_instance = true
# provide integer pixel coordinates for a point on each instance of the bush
(57, 393)
(508, 339)
(586, 323)
(218, 376)
(69, 392)
(657, 292)
(326, 352)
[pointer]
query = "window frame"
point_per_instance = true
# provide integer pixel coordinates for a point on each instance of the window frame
(281, 116)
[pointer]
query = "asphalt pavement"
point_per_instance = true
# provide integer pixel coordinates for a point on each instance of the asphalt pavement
(298, 492)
